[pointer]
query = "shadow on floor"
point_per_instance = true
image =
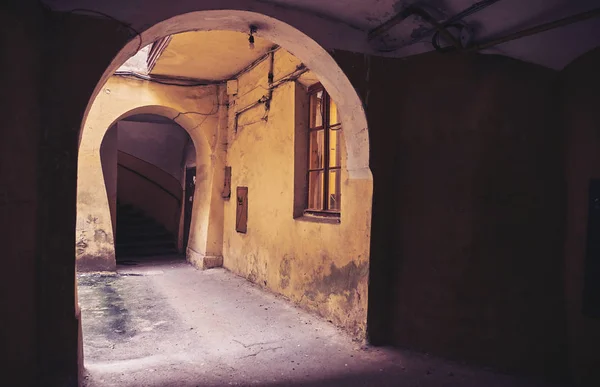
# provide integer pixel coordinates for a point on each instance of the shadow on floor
(147, 261)
(160, 322)
(395, 377)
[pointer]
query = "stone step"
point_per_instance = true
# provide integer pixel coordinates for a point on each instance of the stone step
(121, 254)
(139, 235)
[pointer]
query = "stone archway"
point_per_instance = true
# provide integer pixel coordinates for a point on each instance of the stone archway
(96, 242)
(118, 100)
(291, 39)
(353, 261)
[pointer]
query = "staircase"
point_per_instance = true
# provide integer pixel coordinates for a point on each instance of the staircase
(139, 235)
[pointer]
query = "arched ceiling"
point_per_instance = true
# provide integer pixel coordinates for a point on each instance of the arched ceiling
(208, 55)
(344, 24)
(198, 57)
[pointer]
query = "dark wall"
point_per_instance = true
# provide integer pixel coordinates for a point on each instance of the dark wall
(20, 72)
(49, 66)
(581, 108)
(467, 155)
(77, 50)
(149, 189)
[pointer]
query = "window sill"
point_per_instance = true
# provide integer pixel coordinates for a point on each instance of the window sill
(316, 218)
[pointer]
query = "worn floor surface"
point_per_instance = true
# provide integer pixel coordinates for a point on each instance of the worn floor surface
(167, 324)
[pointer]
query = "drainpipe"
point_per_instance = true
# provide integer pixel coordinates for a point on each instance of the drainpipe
(438, 27)
(266, 99)
(442, 27)
(270, 80)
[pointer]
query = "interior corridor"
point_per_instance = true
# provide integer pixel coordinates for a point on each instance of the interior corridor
(164, 323)
(327, 192)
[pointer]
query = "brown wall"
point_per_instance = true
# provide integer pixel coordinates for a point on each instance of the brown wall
(38, 156)
(480, 211)
(159, 143)
(321, 266)
(77, 50)
(153, 172)
(150, 189)
(19, 153)
(581, 107)
(466, 153)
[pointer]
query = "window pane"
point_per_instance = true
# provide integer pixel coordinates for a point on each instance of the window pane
(316, 109)
(334, 117)
(317, 149)
(335, 151)
(335, 195)
(315, 190)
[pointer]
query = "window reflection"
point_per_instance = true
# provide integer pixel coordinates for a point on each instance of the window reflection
(325, 156)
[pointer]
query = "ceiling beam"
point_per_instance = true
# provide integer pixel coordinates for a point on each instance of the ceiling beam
(156, 51)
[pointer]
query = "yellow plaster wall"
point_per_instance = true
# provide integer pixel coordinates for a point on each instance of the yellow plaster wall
(223, 53)
(321, 266)
(196, 109)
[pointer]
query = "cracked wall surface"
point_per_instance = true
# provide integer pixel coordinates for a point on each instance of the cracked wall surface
(321, 266)
(195, 109)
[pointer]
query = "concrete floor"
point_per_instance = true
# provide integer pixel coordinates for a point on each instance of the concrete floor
(166, 324)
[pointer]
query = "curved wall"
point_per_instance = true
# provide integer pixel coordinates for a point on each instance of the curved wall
(322, 266)
(160, 144)
(150, 189)
(581, 117)
(122, 98)
(468, 209)
(302, 46)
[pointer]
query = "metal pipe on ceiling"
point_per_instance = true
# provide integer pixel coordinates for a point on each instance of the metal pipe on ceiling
(535, 30)
(387, 25)
(469, 11)
(406, 12)
(480, 6)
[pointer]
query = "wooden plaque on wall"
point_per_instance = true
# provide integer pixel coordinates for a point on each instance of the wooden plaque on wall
(241, 218)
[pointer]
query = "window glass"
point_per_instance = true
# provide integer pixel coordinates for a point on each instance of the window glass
(335, 195)
(335, 154)
(325, 154)
(315, 194)
(316, 109)
(317, 149)
(334, 117)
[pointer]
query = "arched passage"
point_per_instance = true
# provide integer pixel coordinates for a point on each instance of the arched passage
(303, 47)
(95, 239)
(357, 173)
(332, 278)
(146, 160)
(296, 42)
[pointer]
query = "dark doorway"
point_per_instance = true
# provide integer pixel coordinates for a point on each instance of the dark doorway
(190, 188)
(144, 159)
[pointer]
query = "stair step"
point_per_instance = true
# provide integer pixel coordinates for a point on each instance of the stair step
(145, 242)
(140, 235)
(134, 237)
(134, 221)
(139, 223)
(124, 255)
(127, 248)
(141, 232)
(130, 213)
(124, 248)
